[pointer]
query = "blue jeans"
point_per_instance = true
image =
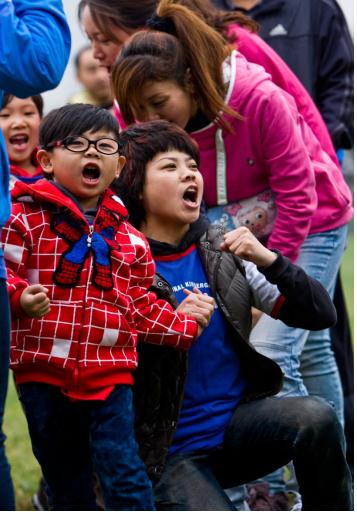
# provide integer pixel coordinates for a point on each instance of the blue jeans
(72, 439)
(7, 498)
(306, 358)
(263, 435)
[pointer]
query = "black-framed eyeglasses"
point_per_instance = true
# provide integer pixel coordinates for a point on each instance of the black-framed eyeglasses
(105, 145)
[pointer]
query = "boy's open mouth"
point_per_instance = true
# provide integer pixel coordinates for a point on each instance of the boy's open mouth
(91, 173)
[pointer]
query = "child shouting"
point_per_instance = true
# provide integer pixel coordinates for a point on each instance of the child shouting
(228, 428)
(78, 276)
(19, 121)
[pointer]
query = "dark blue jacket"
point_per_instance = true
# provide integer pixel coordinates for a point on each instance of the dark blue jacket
(313, 38)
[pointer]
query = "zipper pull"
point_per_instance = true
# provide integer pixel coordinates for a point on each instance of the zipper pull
(90, 235)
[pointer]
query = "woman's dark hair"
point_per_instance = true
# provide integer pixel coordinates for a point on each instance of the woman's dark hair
(37, 100)
(128, 14)
(218, 18)
(139, 144)
(74, 120)
(157, 56)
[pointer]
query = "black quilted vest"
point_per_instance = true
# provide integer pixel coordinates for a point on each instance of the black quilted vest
(160, 377)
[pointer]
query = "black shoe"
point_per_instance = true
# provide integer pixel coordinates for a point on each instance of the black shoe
(40, 499)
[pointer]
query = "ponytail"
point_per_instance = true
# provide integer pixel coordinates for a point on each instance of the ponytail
(180, 42)
(218, 18)
(205, 50)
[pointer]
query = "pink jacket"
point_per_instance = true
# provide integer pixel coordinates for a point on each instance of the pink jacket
(272, 148)
(256, 50)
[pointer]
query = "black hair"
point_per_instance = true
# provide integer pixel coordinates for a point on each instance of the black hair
(80, 9)
(37, 100)
(78, 55)
(129, 15)
(74, 120)
(139, 144)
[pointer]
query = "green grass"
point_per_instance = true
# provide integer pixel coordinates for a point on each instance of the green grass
(25, 470)
(348, 279)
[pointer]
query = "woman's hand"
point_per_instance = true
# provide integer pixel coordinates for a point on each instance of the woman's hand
(242, 243)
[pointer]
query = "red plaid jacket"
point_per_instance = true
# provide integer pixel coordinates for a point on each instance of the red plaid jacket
(98, 279)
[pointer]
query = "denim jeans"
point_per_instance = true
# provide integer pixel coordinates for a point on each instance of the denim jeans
(261, 436)
(306, 358)
(7, 498)
(71, 439)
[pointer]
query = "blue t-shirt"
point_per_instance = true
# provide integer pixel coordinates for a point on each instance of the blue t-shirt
(214, 384)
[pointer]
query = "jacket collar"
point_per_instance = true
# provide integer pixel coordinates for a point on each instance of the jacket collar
(44, 191)
(196, 230)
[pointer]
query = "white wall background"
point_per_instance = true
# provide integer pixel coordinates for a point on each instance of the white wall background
(347, 7)
(69, 84)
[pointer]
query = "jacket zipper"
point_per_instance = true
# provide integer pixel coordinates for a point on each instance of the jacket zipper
(223, 307)
(76, 369)
(215, 272)
(90, 236)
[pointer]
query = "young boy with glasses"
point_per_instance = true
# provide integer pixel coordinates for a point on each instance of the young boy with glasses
(78, 279)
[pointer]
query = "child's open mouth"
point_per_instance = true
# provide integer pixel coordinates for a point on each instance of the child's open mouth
(91, 174)
(19, 142)
(190, 196)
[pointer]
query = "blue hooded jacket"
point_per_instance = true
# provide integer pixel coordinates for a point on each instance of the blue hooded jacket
(35, 43)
